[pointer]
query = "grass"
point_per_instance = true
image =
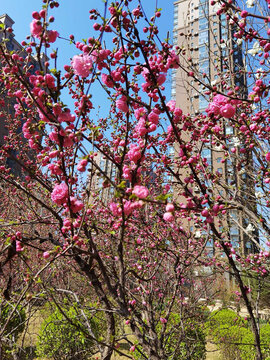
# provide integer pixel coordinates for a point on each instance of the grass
(30, 336)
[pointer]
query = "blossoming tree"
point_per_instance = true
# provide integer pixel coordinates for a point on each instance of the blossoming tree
(133, 250)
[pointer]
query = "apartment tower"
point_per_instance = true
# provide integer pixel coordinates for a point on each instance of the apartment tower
(210, 51)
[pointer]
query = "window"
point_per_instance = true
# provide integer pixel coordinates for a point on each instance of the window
(204, 67)
(229, 130)
(248, 245)
(203, 10)
(235, 240)
(206, 153)
(233, 214)
(203, 23)
(234, 230)
(203, 102)
(203, 37)
(203, 52)
(102, 165)
(220, 171)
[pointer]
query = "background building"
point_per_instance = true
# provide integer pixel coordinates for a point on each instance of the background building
(209, 50)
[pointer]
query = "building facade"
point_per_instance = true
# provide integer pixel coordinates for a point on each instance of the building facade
(209, 50)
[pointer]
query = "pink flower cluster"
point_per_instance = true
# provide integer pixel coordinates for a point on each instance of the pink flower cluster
(168, 215)
(59, 194)
(82, 165)
(36, 29)
(82, 65)
(122, 105)
(221, 105)
(140, 191)
(134, 154)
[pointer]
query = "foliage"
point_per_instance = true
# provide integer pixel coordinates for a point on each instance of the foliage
(64, 334)
(184, 339)
(234, 337)
(14, 326)
(16, 323)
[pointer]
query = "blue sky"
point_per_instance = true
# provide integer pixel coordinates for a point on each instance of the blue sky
(72, 17)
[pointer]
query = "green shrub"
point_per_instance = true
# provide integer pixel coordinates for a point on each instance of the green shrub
(183, 340)
(14, 327)
(66, 337)
(234, 337)
(16, 323)
(224, 317)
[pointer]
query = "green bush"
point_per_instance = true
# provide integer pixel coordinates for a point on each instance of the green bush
(66, 337)
(224, 317)
(16, 323)
(14, 327)
(234, 337)
(183, 340)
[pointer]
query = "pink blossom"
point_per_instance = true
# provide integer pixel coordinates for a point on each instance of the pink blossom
(82, 65)
(140, 128)
(205, 213)
(66, 116)
(114, 209)
(171, 105)
(213, 108)
(227, 111)
(163, 320)
(128, 208)
(161, 79)
(36, 28)
(82, 164)
(121, 104)
(220, 99)
(46, 255)
(141, 191)
(53, 136)
(107, 80)
(168, 216)
(19, 247)
(76, 205)
(49, 80)
(173, 61)
(169, 208)
(134, 154)
(60, 193)
(140, 112)
(153, 117)
(267, 156)
(52, 35)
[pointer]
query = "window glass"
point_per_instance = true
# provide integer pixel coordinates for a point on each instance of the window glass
(220, 170)
(203, 102)
(206, 153)
(203, 23)
(203, 37)
(235, 241)
(204, 67)
(234, 230)
(203, 52)
(203, 10)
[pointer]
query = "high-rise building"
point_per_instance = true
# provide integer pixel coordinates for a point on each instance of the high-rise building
(8, 41)
(210, 52)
